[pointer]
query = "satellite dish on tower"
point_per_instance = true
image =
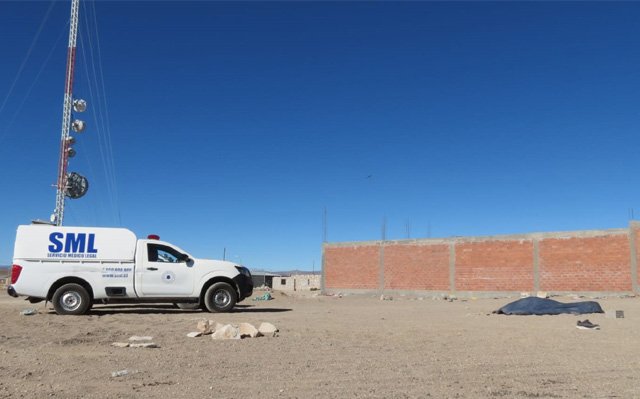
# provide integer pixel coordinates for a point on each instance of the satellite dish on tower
(79, 105)
(78, 126)
(77, 185)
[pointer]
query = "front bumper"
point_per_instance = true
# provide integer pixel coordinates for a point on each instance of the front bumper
(11, 291)
(245, 286)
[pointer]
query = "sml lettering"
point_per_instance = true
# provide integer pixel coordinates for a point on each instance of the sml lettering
(73, 243)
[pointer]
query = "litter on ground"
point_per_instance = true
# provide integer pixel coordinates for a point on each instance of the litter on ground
(266, 297)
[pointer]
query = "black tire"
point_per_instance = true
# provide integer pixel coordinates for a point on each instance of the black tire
(71, 299)
(220, 298)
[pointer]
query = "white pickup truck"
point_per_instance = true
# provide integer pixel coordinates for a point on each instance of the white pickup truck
(76, 267)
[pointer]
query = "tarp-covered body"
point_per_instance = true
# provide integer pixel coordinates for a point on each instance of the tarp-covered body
(542, 306)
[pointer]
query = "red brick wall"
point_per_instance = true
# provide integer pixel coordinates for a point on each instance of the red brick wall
(585, 263)
(494, 266)
(635, 227)
(416, 267)
(352, 267)
(596, 261)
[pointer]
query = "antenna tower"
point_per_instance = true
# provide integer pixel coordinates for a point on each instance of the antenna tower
(70, 185)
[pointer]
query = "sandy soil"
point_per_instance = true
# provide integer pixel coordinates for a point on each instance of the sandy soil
(328, 347)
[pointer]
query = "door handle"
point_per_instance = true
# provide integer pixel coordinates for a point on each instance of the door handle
(152, 268)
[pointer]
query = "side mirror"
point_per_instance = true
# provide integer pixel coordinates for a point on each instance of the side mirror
(185, 258)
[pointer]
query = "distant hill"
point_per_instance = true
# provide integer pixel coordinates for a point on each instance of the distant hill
(287, 272)
(296, 271)
(6, 270)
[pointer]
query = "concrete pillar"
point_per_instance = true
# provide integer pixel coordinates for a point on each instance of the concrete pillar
(634, 228)
(381, 268)
(452, 266)
(536, 265)
(322, 274)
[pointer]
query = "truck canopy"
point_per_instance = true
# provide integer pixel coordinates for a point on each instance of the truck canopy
(45, 242)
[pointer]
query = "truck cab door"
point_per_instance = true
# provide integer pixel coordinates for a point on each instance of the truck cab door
(164, 272)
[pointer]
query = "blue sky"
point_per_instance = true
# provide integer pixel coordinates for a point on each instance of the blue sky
(235, 124)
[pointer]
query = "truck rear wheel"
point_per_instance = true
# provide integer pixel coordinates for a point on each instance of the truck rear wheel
(220, 297)
(71, 299)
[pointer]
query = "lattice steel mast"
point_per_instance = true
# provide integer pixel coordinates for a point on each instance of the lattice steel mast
(69, 185)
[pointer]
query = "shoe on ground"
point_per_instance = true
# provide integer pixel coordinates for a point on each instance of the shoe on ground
(587, 325)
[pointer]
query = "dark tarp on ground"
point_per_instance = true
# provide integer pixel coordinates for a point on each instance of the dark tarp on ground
(542, 306)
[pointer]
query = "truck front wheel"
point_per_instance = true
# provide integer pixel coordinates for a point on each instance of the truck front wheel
(220, 297)
(71, 299)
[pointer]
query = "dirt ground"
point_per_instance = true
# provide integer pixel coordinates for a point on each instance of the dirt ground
(328, 347)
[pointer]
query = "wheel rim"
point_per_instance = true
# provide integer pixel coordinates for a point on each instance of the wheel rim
(70, 301)
(221, 298)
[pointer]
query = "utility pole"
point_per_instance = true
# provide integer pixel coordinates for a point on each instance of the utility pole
(324, 225)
